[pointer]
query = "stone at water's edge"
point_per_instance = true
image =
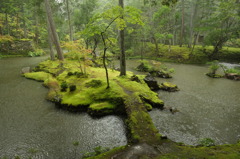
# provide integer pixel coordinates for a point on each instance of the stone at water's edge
(233, 76)
(160, 74)
(26, 70)
(166, 86)
(135, 78)
(151, 82)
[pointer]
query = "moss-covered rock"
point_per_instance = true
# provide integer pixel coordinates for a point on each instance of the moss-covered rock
(167, 86)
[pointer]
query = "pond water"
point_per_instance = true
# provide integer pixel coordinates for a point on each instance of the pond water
(208, 108)
(32, 127)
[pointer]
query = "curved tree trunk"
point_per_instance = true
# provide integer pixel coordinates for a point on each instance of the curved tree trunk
(53, 30)
(122, 48)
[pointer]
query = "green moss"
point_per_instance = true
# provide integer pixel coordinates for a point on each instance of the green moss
(99, 106)
(148, 106)
(213, 152)
(103, 108)
(109, 154)
(94, 83)
(38, 76)
(167, 86)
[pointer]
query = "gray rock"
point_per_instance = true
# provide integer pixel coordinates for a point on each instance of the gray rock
(26, 70)
(151, 82)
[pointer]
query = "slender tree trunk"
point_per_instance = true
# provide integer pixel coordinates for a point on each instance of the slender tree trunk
(182, 28)
(194, 44)
(36, 38)
(156, 45)
(104, 59)
(7, 24)
(8, 30)
(24, 23)
(193, 15)
(69, 21)
(50, 41)
(53, 30)
(122, 48)
(169, 45)
(94, 48)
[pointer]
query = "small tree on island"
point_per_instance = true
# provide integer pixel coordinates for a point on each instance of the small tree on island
(101, 25)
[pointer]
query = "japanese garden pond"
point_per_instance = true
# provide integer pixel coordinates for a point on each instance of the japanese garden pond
(32, 126)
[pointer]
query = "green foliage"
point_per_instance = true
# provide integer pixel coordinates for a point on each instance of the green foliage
(64, 86)
(39, 76)
(214, 66)
(6, 38)
(232, 70)
(36, 52)
(77, 51)
(207, 142)
(97, 151)
(76, 143)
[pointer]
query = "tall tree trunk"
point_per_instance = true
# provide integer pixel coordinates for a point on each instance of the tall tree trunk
(193, 15)
(182, 28)
(69, 21)
(104, 59)
(36, 38)
(50, 41)
(24, 23)
(156, 45)
(194, 44)
(122, 48)
(53, 30)
(94, 48)
(7, 24)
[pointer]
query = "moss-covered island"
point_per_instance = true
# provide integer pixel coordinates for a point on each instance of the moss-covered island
(74, 90)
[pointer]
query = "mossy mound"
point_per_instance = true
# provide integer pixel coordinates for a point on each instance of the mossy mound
(99, 109)
(156, 69)
(212, 75)
(89, 92)
(166, 86)
(171, 150)
(213, 152)
(38, 76)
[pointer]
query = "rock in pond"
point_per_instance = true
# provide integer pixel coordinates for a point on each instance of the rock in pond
(161, 74)
(25, 70)
(166, 86)
(233, 76)
(151, 82)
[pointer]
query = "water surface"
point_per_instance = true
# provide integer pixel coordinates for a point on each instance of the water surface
(208, 108)
(32, 127)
